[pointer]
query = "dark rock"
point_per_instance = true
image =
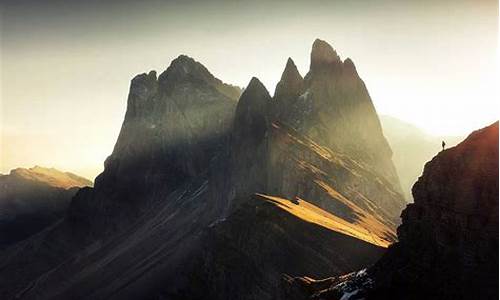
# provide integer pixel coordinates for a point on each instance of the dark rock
(412, 148)
(252, 116)
(175, 214)
(247, 254)
(335, 110)
(448, 241)
(290, 86)
(173, 130)
(250, 140)
(323, 57)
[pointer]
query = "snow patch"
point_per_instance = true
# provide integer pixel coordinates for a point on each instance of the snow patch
(347, 295)
(217, 222)
(362, 273)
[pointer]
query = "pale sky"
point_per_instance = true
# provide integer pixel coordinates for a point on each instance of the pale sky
(66, 65)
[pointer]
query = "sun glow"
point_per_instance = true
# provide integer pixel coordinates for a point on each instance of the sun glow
(65, 84)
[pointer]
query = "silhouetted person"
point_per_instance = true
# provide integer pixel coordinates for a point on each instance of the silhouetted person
(443, 144)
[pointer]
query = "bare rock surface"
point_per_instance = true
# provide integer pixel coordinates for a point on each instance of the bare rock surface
(448, 240)
(207, 197)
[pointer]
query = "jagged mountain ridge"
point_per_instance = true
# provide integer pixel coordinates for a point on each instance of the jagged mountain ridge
(178, 172)
(160, 158)
(332, 106)
(174, 125)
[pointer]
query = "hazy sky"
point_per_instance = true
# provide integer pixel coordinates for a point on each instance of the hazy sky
(66, 65)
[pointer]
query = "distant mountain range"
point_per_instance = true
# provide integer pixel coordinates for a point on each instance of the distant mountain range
(31, 199)
(412, 148)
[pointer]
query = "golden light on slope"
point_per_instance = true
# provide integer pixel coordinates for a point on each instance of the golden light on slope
(52, 177)
(313, 214)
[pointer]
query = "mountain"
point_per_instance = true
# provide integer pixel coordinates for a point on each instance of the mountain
(448, 240)
(412, 148)
(332, 106)
(212, 192)
(32, 199)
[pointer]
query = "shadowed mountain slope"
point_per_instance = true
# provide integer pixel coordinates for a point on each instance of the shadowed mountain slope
(449, 236)
(205, 197)
(31, 199)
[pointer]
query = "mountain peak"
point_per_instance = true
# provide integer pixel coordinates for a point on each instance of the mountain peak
(144, 79)
(323, 54)
(184, 60)
(291, 71)
(254, 100)
(291, 82)
(349, 65)
(255, 85)
(185, 67)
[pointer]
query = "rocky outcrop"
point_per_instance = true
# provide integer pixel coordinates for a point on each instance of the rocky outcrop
(286, 95)
(323, 57)
(32, 199)
(412, 148)
(174, 129)
(448, 240)
(299, 168)
(332, 107)
(250, 140)
(266, 237)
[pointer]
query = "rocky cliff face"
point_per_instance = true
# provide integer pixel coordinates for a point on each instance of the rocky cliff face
(32, 199)
(412, 148)
(266, 237)
(332, 106)
(448, 241)
(173, 128)
(250, 141)
(330, 110)
(206, 197)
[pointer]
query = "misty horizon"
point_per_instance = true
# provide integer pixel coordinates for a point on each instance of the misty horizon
(270, 150)
(78, 60)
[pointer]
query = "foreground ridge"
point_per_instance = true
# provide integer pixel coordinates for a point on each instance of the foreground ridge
(448, 241)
